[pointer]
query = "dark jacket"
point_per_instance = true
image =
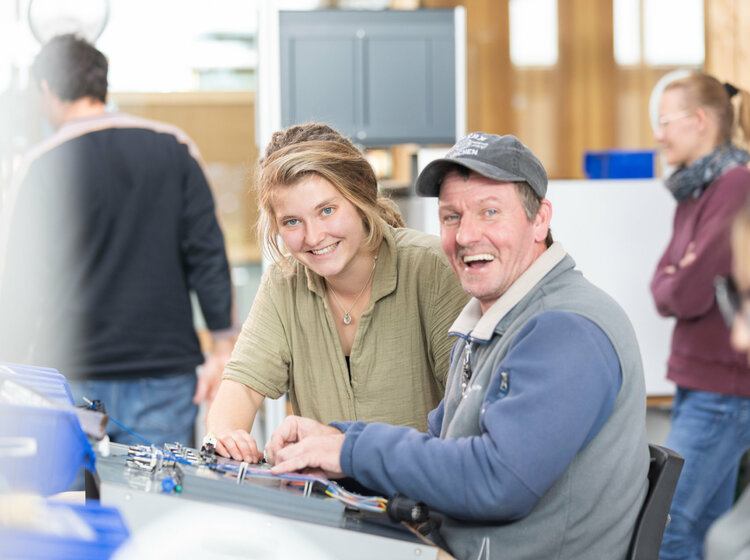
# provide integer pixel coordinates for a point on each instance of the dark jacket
(108, 227)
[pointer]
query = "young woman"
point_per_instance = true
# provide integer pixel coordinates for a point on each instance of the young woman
(709, 428)
(353, 322)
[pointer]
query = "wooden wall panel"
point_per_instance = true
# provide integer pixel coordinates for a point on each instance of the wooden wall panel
(536, 112)
(222, 124)
(586, 102)
(742, 47)
(633, 90)
(721, 37)
(728, 52)
(489, 74)
(559, 112)
(728, 41)
(587, 99)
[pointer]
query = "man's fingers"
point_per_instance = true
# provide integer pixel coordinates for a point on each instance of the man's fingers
(293, 464)
(317, 452)
(285, 434)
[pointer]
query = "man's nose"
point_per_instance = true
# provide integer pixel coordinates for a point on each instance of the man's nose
(468, 231)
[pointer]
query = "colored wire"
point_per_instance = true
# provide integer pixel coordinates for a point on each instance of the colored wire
(332, 489)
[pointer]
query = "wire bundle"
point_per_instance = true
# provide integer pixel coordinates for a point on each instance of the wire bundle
(328, 487)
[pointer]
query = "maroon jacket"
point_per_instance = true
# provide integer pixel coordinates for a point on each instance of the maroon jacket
(701, 356)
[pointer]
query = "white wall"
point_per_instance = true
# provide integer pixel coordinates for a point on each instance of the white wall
(616, 230)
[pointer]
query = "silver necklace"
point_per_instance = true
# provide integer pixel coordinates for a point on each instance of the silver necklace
(347, 316)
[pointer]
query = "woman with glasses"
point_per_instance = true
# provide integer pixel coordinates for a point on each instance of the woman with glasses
(729, 537)
(711, 412)
(353, 316)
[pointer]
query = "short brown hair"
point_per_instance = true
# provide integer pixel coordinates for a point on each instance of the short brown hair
(73, 69)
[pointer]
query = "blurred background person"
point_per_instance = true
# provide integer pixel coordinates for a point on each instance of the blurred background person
(354, 320)
(729, 537)
(109, 225)
(713, 380)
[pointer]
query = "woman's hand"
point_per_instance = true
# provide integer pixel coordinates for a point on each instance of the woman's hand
(238, 445)
(230, 419)
(687, 259)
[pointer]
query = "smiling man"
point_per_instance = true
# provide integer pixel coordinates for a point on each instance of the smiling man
(538, 449)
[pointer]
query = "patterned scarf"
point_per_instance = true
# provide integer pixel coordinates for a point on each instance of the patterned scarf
(694, 179)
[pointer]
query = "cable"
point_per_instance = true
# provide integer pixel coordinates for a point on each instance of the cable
(328, 487)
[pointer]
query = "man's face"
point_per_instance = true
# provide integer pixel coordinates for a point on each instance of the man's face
(486, 234)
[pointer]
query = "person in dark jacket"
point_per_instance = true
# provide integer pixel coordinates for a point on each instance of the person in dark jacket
(712, 401)
(107, 227)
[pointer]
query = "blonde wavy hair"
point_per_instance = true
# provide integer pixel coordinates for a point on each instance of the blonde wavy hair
(316, 149)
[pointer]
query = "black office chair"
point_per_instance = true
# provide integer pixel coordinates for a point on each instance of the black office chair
(663, 473)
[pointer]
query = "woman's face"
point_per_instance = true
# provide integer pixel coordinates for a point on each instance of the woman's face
(319, 227)
(677, 131)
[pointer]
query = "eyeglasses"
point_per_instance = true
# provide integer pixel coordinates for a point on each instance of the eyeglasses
(466, 372)
(730, 301)
(666, 119)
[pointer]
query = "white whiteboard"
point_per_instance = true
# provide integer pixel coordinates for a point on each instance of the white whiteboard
(616, 230)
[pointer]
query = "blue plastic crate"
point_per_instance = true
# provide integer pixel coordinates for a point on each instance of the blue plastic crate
(41, 449)
(619, 164)
(42, 445)
(46, 381)
(106, 522)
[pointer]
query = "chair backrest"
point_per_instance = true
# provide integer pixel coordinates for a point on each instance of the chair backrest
(663, 473)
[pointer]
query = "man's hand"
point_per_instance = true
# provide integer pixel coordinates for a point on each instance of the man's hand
(211, 370)
(304, 444)
(239, 445)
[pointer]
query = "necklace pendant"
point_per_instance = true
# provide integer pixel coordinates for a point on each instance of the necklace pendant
(347, 319)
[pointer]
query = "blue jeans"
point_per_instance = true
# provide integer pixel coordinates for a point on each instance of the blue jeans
(159, 409)
(711, 432)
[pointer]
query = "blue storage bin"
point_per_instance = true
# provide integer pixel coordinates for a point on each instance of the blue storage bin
(46, 381)
(106, 522)
(619, 164)
(41, 447)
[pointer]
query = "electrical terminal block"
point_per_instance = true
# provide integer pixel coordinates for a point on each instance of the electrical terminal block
(178, 451)
(146, 458)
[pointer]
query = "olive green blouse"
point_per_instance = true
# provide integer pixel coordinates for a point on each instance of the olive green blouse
(399, 359)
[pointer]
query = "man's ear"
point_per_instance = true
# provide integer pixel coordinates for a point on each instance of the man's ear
(542, 220)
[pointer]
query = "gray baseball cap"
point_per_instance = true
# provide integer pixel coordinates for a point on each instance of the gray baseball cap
(502, 158)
